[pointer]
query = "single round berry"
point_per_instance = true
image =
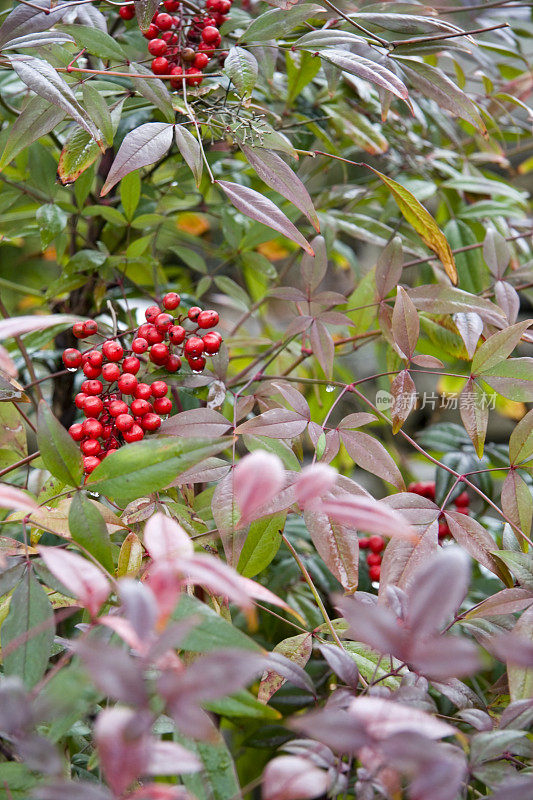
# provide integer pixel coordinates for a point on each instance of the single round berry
(194, 347)
(135, 434)
(150, 422)
(171, 301)
(224, 7)
(118, 407)
(163, 405)
(143, 391)
(172, 5)
(219, 19)
(462, 499)
(127, 383)
(176, 81)
(201, 60)
(90, 327)
(78, 330)
(193, 313)
(90, 447)
(164, 22)
(163, 322)
(154, 336)
(90, 463)
(93, 407)
(140, 407)
(71, 358)
(157, 47)
(374, 572)
(210, 35)
(212, 342)
(159, 388)
(76, 431)
(92, 387)
(173, 364)
(376, 544)
(111, 372)
(113, 351)
(139, 345)
(363, 543)
(94, 358)
(160, 65)
(80, 399)
(176, 334)
(124, 422)
(90, 371)
(107, 431)
(194, 76)
(207, 319)
(196, 364)
(152, 31)
(443, 530)
(144, 328)
(159, 354)
(92, 428)
(373, 559)
(126, 12)
(131, 365)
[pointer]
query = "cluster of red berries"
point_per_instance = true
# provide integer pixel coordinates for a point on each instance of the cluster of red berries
(427, 489)
(181, 44)
(110, 421)
(376, 544)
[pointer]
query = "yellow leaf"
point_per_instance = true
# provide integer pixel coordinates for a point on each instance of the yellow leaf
(273, 250)
(423, 223)
(194, 224)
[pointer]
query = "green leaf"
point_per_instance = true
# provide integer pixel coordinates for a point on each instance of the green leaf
(213, 632)
(520, 564)
(51, 220)
(521, 678)
(88, 528)
(78, 153)
(521, 440)
(498, 347)
(423, 223)
(29, 608)
(242, 704)
(218, 779)
(59, 453)
(95, 41)
(301, 69)
(152, 90)
(99, 112)
(36, 119)
(262, 543)
(130, 556)
(512, 379)
(130, 193)
(278, 22)
(473, 274)
(16, 781)
(144, 467)
(242, 69)
(191, 150)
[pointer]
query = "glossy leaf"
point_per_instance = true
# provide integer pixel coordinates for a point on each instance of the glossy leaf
(242, 69)
(368, 70)
(88, 529)
(140, 148)
(59, 453)
(338, 546)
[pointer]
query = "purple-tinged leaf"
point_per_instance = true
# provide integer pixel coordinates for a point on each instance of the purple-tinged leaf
(25, 19)
(191, 150)
(257, 479)
(226, 515)
(383, 718)
(402, 559)
(292, 396)
(298, 325)
(41, 78)
(141, 147)
(498, 347)
(87, 14)
(357, 420)
(152, 90)
(477, 718)
(259, 208)
(373, 625)
(212, 469)
(430, 362)
(335, 728)
(496, 253)
(313, 268)
(37, 40)
(323, 347)
(326, 443)
(341, 663)
(113, 672)
(506, 601)
(472, 537)
(474, 412)
(405, 323)
(166, 540)
(444, 657)
(521, 440)
(367, 515)
(440, 299)
(367, 70)
(512, 378)
(517, 501)
(86, 582)
(17, 326)
(369, 454)
(519, 788)
(139, 606)
(288, 293)
(470, 327)
(389, 268)
(297, 649)
(273, 171)
(277, 423)
(437, 591)
(520, 658)
(66, 790)
(169, 758)
(188, 423)
(314, 481)
(508, 299)
(403, 391)
(338, 547)
(293, 778)
(16, 499)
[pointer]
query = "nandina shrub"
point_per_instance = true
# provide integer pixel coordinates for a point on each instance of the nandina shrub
(265, 394)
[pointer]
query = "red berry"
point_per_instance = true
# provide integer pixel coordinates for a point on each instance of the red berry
(176, 81)
(206, 48)
(78, 330)
(90, 327)
(76, 431)
(414, 488)
(111, 372)
(92, 428)
(363, 543)
(194, 76)
(113, 351)
(173, 364)
(219, 19)
(462, 510)
(169, 38)
(93, 407)
(90, 463)
(127, 383)
(374, 572)
(163, 405)
(172, 5)
(94, 358)
(107, 431)
(150, 422)
(193, 313)
(212, 342)
(159, 354)
(140, 407)
(151, 32)
(139, 345)
(207, 319)
(159, 388)
(210, 35)
(194, 347)
(92, 387)
(118, 407)
(124, 422)
(143, 391)
(224, 7)
(196, 364)
(373, 559)
(164, 22)
(462, 499)
(154, 336)
(90, 371)
(376, 544)
(144, 328)
(90, 447)
(201, 60)
(131, 365)
(157, 47)
(171, 301)
(443, 530)
(176, 334)
(80, 399)
(160, 66)
(135, 434)
(212, 5)
(163, 322)
(71, 357)
(126, 12)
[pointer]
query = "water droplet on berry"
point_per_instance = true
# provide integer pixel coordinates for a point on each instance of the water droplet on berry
(330, 388)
